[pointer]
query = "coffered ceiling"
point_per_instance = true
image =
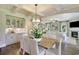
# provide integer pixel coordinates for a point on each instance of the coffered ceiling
(43, 10)
(50, 9)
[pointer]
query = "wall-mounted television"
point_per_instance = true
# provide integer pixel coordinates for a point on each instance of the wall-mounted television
(74, 24)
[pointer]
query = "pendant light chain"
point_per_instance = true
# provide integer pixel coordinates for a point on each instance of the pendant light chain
(35, 11)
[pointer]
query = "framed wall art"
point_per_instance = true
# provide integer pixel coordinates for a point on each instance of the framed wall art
(63, 27)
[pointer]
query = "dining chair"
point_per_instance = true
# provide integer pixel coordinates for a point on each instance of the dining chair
(24, 44)
(35, 48)
(57, 49)
(54, 50)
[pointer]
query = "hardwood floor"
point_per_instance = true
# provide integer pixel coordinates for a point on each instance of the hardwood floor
(14, 49)
(11, 49)
(69, 49)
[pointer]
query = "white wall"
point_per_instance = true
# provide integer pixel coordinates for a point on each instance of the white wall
(66, 17)
(2, 31)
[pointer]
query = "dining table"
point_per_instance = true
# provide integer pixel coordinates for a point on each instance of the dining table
(47, 42)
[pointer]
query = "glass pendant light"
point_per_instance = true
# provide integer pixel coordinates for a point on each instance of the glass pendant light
(35, 19)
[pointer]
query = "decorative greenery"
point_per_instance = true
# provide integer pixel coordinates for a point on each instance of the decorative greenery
(37, 33)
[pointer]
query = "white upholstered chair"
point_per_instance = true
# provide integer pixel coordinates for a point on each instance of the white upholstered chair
(56, 51)
(24, 44)
(35, 49)
(52, 51)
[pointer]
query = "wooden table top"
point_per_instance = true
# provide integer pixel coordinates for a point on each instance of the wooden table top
(47, 42)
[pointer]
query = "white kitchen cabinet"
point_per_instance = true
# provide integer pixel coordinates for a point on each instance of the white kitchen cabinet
(15, 22)
(11, 38)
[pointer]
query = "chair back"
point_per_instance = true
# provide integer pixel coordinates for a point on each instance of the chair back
(34, 47)
(62, 38)
(24, 43)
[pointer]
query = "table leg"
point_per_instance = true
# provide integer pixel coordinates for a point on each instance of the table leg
(0, 51)
(45, 52)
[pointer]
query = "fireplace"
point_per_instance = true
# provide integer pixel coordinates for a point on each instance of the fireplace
(74, 34)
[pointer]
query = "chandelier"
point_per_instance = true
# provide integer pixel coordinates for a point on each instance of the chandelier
(35, 19)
